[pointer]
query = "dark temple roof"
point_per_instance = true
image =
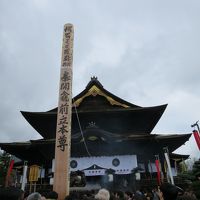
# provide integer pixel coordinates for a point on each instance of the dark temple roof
(99, 143)
(109, 124)
(95, 104)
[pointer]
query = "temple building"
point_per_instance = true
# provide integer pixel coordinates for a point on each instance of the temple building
(108, 134)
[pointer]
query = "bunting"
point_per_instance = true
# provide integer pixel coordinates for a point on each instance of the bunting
(157, 163)
(197, 138)
(9, 172)
(10, 167)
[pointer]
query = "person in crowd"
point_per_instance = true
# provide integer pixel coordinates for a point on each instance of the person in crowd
(186, 197)
(52, 195)
(190, 192)
(69, 197)
(43, 193)
(149, 195)
(102, 194)
(168, 192)
(112, 195)
(11, 193)
(128, 195)
(155, 194)
(139, 195)
(34, 196)
(119, 195)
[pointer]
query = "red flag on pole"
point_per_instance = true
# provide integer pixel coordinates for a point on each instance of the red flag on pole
(9, 172)
(197, 138)
(10, 167)
(158, 171)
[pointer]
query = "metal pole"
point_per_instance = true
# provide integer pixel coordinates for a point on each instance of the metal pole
(197, 125)
(168, 164)
(24, 175)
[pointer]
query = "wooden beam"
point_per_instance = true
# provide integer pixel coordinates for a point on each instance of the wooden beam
(63, 130)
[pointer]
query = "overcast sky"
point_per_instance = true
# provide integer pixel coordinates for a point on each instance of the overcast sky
(146, 52)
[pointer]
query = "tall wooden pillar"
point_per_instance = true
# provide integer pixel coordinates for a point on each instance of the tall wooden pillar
(63, 131)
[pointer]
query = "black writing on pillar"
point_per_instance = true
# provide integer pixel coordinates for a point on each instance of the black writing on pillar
(66, 56)
(62, 142)
(67, 52)
(63, 129)
(63, 120)
(64, 96)
(68, 29)
(65, 86)
(66, 76)
(63, 109)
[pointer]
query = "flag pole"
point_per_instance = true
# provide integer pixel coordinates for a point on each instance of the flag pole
(25, 167)
(166, 154)
(197, 125)
(196, 133)
(10, 168)
(63, 129)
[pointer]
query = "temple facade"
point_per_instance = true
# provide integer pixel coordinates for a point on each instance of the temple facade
(111, 140)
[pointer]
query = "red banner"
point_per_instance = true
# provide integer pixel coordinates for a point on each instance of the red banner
(158, 171)
(10, 168)
(9, 172)
(197, 138)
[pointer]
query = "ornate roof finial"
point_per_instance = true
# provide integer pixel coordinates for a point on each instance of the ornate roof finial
(94, 78)
(91, 125)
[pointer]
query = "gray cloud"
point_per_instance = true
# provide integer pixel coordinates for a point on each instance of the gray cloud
(145, 52)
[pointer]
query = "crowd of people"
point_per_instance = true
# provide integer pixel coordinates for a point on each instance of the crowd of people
(166, 191)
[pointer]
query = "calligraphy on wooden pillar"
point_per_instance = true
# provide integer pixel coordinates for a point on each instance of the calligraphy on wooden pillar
(65, 89)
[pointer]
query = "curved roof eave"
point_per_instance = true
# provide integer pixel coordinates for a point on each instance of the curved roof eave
(46, 147)
(45, 122)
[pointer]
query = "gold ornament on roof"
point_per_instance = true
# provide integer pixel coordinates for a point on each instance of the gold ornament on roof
(94, 91)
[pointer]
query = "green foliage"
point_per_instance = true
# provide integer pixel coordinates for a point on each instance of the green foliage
(188, 175)
(193, 177)
(4, 163)
(183, 167)
(196, 168)
(196, 188)
(196, 183)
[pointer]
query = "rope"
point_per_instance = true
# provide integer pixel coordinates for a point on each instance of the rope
(81, 129)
